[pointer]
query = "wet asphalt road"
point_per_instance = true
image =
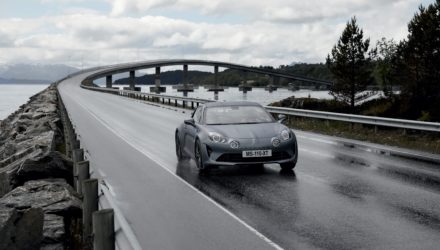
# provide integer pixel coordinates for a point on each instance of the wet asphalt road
(338, 197)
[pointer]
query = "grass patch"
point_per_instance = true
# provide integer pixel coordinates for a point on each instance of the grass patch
(410, 139)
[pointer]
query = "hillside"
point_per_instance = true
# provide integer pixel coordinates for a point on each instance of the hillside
(34, 73)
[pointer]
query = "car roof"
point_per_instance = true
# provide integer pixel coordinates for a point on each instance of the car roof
(227, 104)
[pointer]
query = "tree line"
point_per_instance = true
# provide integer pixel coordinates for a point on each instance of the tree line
(413, 64)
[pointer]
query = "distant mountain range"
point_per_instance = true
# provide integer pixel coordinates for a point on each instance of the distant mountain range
(33, 73)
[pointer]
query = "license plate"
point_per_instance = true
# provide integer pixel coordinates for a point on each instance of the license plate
(257, 153)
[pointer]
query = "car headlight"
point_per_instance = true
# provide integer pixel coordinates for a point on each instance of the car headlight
(285, 135)
(216, 137)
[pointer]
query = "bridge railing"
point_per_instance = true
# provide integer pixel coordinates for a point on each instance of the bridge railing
(360, 119)
(178, 101)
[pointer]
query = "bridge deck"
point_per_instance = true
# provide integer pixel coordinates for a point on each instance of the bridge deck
(338, 198)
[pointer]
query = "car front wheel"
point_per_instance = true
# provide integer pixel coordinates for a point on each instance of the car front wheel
(199, 158)
(179, 152)
(288, 165)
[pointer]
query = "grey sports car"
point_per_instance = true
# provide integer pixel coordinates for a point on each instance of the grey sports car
(235, 133)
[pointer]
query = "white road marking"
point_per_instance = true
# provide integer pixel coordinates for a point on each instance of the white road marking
(317, 139)
(161, 164)
(316, 153)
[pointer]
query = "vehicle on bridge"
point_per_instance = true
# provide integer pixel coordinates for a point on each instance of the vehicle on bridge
(235, 133)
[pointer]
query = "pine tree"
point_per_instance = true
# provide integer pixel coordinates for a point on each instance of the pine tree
(418, 63)
(350, 64)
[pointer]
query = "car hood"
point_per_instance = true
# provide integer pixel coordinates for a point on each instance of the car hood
(248, 131)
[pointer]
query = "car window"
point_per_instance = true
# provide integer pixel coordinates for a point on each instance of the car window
(237, 115)
(197, 114)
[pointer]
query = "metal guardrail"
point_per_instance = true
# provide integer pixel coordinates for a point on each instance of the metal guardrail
(361, 119)
(125, 238)
(165, 99)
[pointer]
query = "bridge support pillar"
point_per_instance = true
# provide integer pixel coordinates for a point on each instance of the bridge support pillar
(215, 75)
(157, 88)
(109, 81)
(276, 80)
(216, 88)
(131, 79)
(185, 74)
(185, 87)
(273, 85)
(157, 77)
(244, 87)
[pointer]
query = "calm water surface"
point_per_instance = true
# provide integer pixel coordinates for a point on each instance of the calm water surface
(256, 95)
(12, 96)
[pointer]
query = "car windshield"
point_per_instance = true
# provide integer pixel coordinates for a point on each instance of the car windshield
(237, 115)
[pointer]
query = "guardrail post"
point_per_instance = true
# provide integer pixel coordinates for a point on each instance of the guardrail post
(175, 102)
(83, 169)
(183, 104)
(104, 230)
(77, 156)
(192, 105)
(76, 143)
(90, 205)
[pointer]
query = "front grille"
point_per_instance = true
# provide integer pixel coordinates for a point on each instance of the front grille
(230, 157)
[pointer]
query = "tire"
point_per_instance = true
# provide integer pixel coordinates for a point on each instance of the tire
(287, 165)
(291, 165)
(199, 158)
(259, 166)
(179, 153)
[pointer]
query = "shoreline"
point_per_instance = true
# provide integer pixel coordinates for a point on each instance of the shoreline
(38, 206)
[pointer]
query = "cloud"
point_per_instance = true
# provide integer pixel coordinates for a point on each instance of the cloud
(273, 11)
(164, 37)
(275, 33)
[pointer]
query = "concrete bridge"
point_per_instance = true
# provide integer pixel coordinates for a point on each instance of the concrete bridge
(343, 194)
(158, 64)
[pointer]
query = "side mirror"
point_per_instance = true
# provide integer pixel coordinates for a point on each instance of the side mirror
(190, 122)
(282, 118)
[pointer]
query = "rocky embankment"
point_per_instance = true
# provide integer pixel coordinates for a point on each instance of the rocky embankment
(39, 209)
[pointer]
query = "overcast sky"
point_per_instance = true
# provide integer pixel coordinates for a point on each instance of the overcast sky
(254, 32)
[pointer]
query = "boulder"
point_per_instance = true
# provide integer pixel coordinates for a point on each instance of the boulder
(21, 228)
(25, 116)
(51, 165)
(54, 196)
(47, 108)
(36, 164)
(56, 246)
(54, 231)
